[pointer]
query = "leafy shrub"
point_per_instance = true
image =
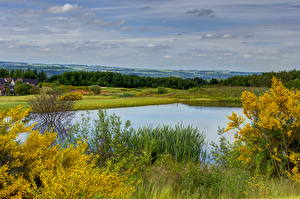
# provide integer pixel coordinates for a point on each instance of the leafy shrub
(37, 168)
(269, 143)
(95, 89)
(107, 139)
(293, 83)
(73, 96)
(34, 90)
(127, 95)
(146, 93)
(22, 88)
(162, 90)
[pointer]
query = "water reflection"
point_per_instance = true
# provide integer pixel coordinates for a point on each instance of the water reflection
(206, 119)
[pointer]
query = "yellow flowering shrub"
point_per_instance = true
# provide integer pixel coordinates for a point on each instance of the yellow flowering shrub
(269, 138)
(38, 168)
(73, 96)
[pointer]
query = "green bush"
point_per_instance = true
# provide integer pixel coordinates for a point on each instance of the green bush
(162, 90)
(95, 89)
(22, 88)
(34, 90)
(293, 84)
(127, 95)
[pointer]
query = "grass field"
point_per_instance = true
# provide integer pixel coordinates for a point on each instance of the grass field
(126, 97)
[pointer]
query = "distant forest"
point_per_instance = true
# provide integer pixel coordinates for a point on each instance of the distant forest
(128, 81)
(41, 76)
(291, 79)
(111, 79)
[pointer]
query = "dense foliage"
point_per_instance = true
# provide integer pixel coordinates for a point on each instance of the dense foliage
(289, 78)
(41, 76)
(23, 89)
(127, 81)
(39, 168)
(269, 143)
(95, 89)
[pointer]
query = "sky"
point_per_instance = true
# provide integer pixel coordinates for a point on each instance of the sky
(238, 35)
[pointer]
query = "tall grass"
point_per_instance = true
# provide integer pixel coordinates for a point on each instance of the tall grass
(192, 182)
(108, 137)
(184, 143)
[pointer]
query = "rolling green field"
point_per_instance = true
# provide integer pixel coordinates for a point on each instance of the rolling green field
(127, 97)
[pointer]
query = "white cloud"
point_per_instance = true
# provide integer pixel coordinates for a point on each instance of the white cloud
(247, 56)
(63, 9)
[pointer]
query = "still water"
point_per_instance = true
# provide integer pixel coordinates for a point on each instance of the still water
(206, 119)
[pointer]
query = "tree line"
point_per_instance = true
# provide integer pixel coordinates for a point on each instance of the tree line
(41, 76)
(289, 78)
(112, 79)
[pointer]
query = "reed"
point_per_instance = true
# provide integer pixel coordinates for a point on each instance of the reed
(184, 143)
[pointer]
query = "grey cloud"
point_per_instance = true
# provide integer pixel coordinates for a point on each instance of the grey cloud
(90, 17)
(30, 13)
(86, 46)
(209, 53)
(7, 43)
(16, 44)
(296, 5)
(249, 36)
(290, 50)
(261, 54)
(145, 8)
(154, 49)
(203, 12)
(106, 23)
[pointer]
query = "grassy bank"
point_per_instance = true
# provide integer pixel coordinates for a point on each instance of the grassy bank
(127, 97)
(89, 103)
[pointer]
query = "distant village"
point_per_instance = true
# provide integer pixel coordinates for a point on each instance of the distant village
(7, 85)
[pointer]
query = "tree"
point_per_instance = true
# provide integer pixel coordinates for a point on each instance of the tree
(270, 141)
(52, 113)
(29, 74)
(22, 89)
(42, 76)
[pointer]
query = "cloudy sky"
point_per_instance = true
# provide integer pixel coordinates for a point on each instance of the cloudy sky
(256, 35)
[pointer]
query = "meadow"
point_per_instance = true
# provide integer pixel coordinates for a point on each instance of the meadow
(127, 97)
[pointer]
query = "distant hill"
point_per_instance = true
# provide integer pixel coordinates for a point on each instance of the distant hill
(55, 69)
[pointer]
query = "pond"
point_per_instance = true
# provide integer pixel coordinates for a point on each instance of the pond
(206, 119)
